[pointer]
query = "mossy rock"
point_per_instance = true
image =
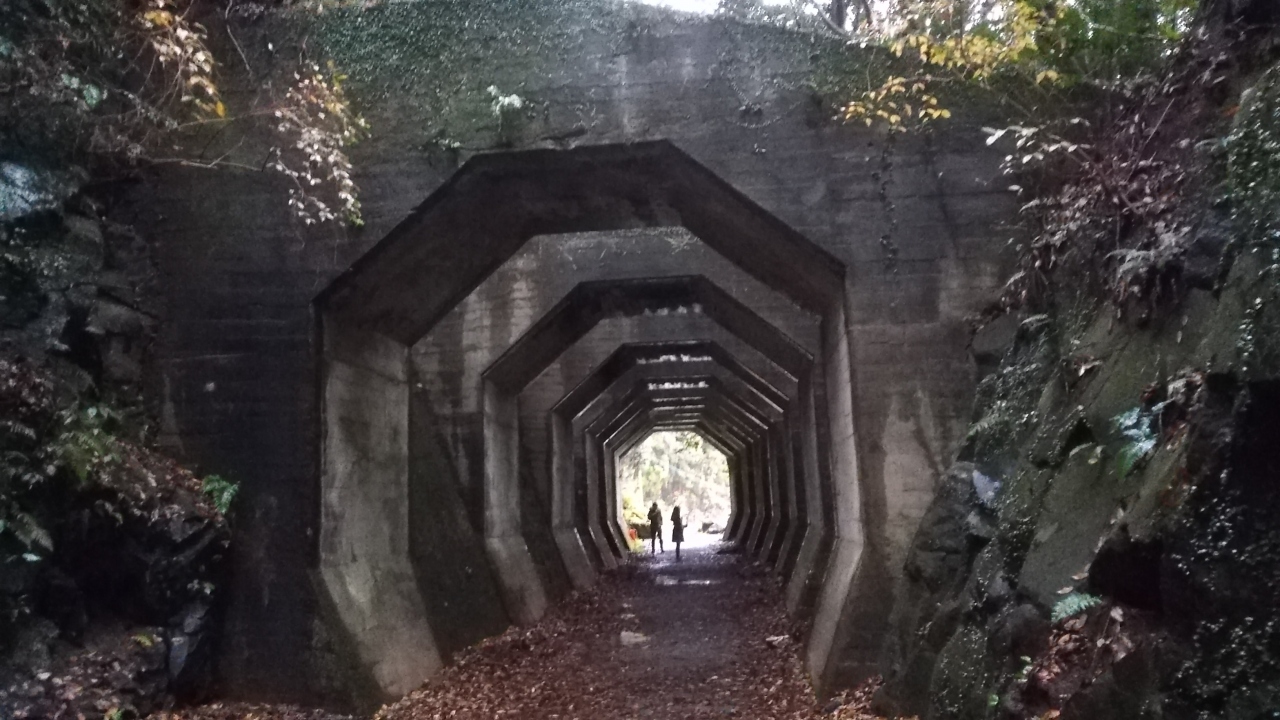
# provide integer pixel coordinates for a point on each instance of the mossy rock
(1082, 497)
(963, 678)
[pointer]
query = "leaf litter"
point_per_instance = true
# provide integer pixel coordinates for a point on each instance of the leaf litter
(724, 649)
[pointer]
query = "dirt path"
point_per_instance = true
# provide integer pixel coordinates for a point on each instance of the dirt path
(706, 637)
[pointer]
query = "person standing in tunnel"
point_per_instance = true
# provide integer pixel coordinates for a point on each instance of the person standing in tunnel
(655, 528)
(677, 530)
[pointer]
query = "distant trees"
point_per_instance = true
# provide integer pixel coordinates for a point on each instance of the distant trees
(675, 468)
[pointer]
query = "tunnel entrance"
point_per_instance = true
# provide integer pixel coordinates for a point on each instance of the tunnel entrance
(412, 550)
(676, 469)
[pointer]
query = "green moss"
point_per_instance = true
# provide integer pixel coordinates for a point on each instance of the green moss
(430, 63)
(1253, 162)
(963, 679)
(1006, 401)
(1253, 192)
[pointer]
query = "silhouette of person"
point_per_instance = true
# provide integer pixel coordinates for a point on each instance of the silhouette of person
(677, 529)
(655, 527)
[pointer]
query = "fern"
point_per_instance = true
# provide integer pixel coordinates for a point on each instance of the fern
(1073, 605)
(221, 491)
(1136, 426)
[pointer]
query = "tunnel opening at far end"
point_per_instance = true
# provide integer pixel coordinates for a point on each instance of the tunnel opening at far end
(427, 540)
(674, 469)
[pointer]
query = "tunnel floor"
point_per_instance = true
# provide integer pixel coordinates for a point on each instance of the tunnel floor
(705, 637)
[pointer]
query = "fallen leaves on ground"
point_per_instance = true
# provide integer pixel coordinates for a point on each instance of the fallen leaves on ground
(248, 711)
(718, 644)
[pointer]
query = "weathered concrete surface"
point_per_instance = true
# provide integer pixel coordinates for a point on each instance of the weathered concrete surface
(560, 328)
(236, 350)
(364, 540)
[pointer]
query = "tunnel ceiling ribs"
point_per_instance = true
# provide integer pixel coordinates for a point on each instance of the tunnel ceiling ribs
(571, 318)
(787, 429)
(586, 508)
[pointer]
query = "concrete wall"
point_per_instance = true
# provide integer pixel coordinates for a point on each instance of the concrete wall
(915, 220)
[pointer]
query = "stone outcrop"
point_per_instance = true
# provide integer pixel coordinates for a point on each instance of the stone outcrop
(1104, 550)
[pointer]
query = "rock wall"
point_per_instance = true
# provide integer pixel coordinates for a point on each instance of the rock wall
(1105, 548)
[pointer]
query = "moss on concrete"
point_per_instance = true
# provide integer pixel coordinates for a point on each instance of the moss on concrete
(1006, 402)
(432, 63)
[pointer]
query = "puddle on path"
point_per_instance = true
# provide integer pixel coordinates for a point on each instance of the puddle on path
(669, 580)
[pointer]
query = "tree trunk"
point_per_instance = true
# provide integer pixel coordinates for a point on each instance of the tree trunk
(838, 12)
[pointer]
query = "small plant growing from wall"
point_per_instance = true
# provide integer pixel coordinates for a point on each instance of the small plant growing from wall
(316, 125)
(509, 110)
(221, 491)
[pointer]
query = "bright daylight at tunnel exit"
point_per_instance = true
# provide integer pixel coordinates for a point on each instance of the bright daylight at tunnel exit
(674, 470)
(670, 359)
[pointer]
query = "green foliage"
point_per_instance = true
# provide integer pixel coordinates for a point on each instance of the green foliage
(86, 443)
(103, 75)
(1253, 162)
(125, 81)
(1106, 41)
(1022, 54)
(1073, 605)
(221, 491)
(675, 468)
(1137, 426)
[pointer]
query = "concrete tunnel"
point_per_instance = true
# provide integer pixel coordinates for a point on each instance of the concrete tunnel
(543, 517)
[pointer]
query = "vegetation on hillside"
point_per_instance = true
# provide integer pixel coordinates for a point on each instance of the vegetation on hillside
(123, 83)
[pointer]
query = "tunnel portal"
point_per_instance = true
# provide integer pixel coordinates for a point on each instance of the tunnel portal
(417, 561)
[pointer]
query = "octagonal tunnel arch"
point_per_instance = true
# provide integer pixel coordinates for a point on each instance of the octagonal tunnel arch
(369, 316)
(709, 399)
(801, 528)
(698, 404)
(579, 507)
(571, 318)
(647, 389)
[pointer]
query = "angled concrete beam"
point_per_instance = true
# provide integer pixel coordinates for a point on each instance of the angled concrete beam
(497, 201)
